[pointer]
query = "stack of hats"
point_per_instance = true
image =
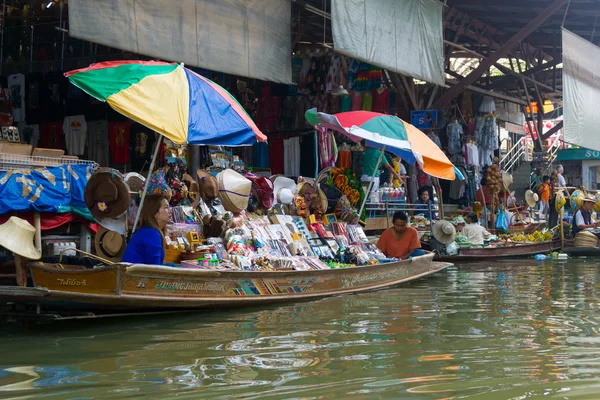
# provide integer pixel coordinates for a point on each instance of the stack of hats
(192, 189)
(585, 239)
(106, 195)
(234, 190)
(17, 235)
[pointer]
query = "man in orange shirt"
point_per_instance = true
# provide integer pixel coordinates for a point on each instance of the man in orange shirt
(400, 241)
(544, 193)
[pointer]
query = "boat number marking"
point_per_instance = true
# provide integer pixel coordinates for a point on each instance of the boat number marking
(141, 285)
(72, 282)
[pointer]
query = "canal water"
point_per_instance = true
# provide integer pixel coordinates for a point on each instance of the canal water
(494, 330)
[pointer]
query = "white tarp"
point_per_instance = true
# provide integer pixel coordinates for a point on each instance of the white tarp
(250, 38)
(403, 36)
(581, 91)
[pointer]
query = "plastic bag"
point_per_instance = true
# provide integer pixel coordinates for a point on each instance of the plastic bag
(502, 221)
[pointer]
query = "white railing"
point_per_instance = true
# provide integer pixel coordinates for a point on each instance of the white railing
(514, 156)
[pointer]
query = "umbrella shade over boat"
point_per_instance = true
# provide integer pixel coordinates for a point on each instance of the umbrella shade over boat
(170, 99)
(399, 137)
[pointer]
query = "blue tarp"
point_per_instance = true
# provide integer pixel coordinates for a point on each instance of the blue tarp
(55, 189)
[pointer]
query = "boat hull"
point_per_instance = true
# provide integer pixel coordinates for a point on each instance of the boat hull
(145, 287)
(483, 253)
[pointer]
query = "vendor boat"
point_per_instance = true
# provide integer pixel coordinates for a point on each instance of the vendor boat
(125, 288)
(514, 250)
(578, 251)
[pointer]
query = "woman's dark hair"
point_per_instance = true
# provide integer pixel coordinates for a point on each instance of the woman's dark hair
(421, 190)
(152, 205)
(473, 217)
(399, 215)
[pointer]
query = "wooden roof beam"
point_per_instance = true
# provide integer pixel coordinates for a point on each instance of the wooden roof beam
(501, 52)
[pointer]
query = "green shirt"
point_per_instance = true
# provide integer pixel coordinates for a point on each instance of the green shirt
(370, 159)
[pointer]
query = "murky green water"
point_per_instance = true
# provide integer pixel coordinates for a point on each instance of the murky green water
(487, 331)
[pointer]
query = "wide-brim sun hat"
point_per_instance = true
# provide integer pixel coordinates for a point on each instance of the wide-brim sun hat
(135, 181)
(209, 187)
(507, 180)
(444, 232)
(577, 199)
(531, 198)
(262, 188)
(321, 196)
(284, 190)
(106, 194)
(110, 245)
(17, 235)
(234, 190)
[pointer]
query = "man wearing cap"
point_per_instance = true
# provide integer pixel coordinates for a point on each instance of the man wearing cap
(583, 219)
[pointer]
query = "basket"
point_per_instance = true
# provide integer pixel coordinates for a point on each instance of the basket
(585, 239)
(172, 256)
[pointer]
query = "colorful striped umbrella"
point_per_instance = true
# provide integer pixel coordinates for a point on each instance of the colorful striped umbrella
(170, 99)
(398, 137)
(386, 130)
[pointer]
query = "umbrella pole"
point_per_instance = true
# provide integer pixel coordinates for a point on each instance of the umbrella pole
(362, 206)
(139, 210)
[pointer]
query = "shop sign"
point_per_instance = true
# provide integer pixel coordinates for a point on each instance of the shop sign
(577, 154)
(422, 118)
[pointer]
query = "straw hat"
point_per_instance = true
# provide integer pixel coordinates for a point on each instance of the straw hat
(234, 190)
(589, 198)
(507, 180)
(135, 181)
(106, 194)
(209, 187)
(193, 189)
(16, 235)
(306, 189)
(110, 245)
(262, 189)
(585, 239)
(531, 198)
(560, 201)
(444, 232)
(284, 190)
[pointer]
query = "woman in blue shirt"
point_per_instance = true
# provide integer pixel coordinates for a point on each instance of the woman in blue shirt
(147, 246)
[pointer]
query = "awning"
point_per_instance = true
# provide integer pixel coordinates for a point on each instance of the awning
(250, 38)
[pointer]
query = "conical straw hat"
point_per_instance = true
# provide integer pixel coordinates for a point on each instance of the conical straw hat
(234, 190)
(16, 235)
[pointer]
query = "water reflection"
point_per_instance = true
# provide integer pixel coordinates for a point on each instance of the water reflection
(499, 330)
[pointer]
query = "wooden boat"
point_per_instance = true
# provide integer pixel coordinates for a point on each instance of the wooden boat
(486, 253)
(573, 251)
(130, 288)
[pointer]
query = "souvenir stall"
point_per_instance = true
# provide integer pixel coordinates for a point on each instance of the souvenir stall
(230, 220)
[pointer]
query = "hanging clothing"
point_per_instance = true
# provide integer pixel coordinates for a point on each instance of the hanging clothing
(276, 155)
(367, 101)
(435, 139)
(345, 103)
(381, 100)
(51, 135)
(261, 155)
(291, 157)
(335, 73)
(142, 145)
(75, 129)
(118, 135)
(98, 144)
(356, 101)
(345, 159)
(33, 87)
(454, 131)
(472, 154)
(16, 83)
(29, 133)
